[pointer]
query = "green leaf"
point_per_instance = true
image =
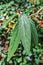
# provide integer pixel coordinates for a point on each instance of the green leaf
(34, 34)
(25, 32)
(14, 42)
(0, 28)
(41, 30)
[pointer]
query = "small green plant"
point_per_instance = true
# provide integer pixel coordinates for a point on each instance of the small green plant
(24, 32)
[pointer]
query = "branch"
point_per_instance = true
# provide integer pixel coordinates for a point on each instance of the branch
(38, 12)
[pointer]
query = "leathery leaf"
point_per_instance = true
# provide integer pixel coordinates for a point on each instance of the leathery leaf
(34, 34)
(25, 32)
(14, 42)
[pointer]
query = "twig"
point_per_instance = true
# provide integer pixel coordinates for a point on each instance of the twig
(38, 12)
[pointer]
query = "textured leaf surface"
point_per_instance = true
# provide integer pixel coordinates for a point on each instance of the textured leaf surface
(34, 34)
(14, 42)
(25, 32)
